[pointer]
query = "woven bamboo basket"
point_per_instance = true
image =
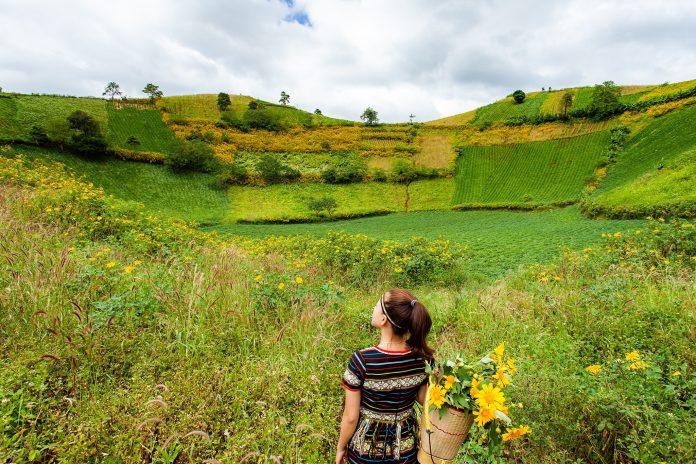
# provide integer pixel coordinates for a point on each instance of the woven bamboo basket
(440, 439)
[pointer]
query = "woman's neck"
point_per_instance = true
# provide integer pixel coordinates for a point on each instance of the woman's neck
(390, 342)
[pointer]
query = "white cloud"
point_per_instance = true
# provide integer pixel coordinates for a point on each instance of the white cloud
(399, 56)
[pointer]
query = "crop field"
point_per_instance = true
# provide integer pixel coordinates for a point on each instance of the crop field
(672, 188)
(453, 121)
(507, 108)
(188, 196)
(669, 89)
(21, 112)
(435, 151)
(145, 125)
(289, 201)
(537, 236)
(663, 139)
(536, 172)
(508, 135)
(201, 106)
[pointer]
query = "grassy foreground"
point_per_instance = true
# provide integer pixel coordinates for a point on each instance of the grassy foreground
(126, 338)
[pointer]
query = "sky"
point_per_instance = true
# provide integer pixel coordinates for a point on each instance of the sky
(426, 57)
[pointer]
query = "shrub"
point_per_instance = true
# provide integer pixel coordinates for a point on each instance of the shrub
(379, 175)
(132, 140)
(264, 118)
(403, 171)
(325, 203)
(325, 145)
(38, 135)
(191, 156)
(271, 170)
(344, 172)
(518, 96)
(232, 174)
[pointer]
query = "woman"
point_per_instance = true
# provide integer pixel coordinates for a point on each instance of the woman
(382, 383)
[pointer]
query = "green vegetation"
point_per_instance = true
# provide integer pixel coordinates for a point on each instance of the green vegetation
(667, 191)
(537, 173)
(506, 109)
(186, 196)
(145, 125)
(21, 112)
(538, 236)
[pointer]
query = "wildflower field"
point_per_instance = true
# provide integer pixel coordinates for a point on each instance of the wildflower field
(153, 315)
(130, 337)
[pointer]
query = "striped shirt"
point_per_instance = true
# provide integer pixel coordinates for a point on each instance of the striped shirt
(389, 381)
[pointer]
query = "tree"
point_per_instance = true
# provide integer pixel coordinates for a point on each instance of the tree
(566, 102)
(38, 135)
(284, 98)
(410, 118)
(605, 100)
(223, 101)
(112, 89)
(403, 171)
(369, 116)
(191, 155)
(325, 203)
(87, 138)
(272, 170)
(253, 105)
(317, 112)
(84, 123)
(153, 91)
(59, 132)
(518, 96)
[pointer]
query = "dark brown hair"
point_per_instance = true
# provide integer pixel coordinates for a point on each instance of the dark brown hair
(413, 318)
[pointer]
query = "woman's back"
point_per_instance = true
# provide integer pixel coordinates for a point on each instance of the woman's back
(389, 381)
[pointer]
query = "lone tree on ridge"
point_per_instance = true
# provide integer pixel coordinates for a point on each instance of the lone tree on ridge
(112, 89)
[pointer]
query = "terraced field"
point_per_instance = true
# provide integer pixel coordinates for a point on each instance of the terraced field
(537, 172)
(145, 125)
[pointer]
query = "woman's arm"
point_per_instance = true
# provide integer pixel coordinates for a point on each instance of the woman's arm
(349, 421)
(421, 393)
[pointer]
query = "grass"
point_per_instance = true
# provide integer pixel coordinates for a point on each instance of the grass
(505, 109)
(25, 111)
(288, 201)
(671, 188)
(500, 240)
(435, 151)
(115, 352)
(660, 141)
(537, 172)
(204, 107)
(188, 196)
(145, 125)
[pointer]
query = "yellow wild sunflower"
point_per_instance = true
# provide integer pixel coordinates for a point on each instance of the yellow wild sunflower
(437, 395)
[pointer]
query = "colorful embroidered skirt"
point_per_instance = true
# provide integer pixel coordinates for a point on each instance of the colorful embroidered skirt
(381, 440)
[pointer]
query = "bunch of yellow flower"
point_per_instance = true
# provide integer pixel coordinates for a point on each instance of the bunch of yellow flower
(478, 388)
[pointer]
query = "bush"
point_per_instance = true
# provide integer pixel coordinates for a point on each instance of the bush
(132, 140)
(87, 138)
(379, 175)
(38, 135)
(191, 156)
(264, 118)
(518, 96)
(271, 170)
(403, 171)
(232, 174)
(345, 172)
(326, 203)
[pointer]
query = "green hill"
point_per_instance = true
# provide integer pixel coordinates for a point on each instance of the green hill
(654, 172)
(549, 103)
(204, 107)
